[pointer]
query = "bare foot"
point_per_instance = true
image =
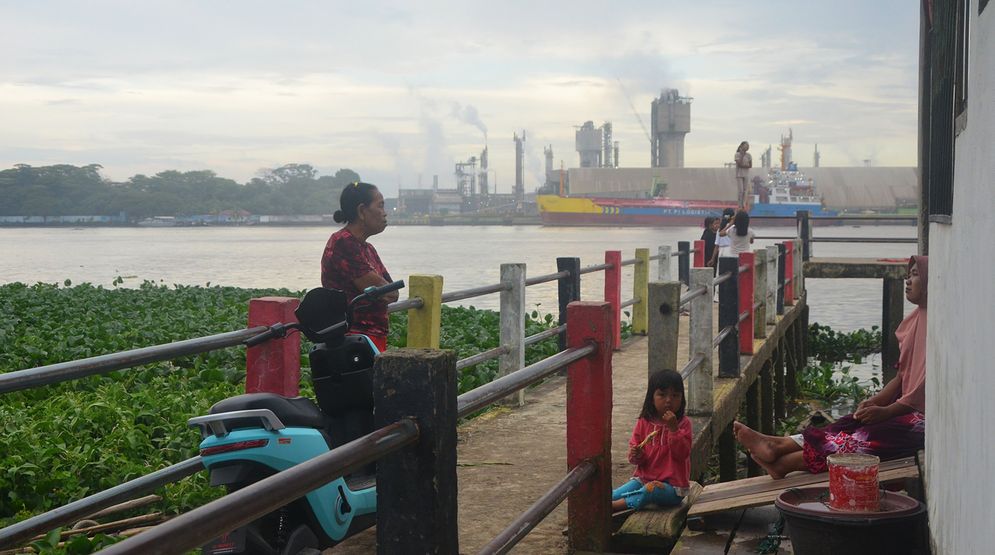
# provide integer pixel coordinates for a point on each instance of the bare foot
(759, 445)
(771, 468)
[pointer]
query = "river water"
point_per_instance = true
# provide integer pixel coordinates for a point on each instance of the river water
(466, 257)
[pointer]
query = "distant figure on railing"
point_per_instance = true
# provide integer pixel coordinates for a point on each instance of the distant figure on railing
(744, 161)
(708, 237)
(891, 424)
(660, 447)
(351, 264)
(739, 233)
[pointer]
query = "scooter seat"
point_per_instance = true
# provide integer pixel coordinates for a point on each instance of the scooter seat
(292, 411)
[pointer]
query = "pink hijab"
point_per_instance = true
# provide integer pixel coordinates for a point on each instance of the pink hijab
(911, 334)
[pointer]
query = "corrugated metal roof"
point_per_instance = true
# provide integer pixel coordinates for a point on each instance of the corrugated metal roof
(859, 187)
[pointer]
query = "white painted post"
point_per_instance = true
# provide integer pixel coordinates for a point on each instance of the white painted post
(663, 264)
(700, 401)
(760, 294)
(772, 284)
(513, 325)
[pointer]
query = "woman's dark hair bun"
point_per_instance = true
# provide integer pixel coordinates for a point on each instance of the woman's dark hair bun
(354, 195)
(338, 216)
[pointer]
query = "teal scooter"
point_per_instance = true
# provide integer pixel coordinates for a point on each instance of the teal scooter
(250, 437)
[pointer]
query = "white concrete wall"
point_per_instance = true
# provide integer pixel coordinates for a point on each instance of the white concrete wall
(960, 384)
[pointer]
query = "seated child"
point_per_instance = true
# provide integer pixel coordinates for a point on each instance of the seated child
(660, 447)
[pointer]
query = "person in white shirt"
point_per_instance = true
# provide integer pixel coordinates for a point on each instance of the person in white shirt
(721, 241)
(739, 233)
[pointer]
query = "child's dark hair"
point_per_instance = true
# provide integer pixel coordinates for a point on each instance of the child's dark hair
(727, 215)
(663, 380)
(353, 196)
(708, 221)
(742, 223)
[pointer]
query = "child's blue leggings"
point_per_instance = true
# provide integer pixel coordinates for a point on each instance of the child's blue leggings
(636, 497)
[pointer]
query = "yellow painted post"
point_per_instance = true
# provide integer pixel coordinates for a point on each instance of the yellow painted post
(640, 290)
(424, 323)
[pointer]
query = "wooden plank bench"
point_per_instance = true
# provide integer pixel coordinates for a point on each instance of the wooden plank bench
(655, 529)
(763, 490)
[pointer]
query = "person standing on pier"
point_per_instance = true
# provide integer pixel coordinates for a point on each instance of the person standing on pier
(739, 233)
(891, 424)
(744, 161)
(660, 447)
(351, 264)
(708, 238)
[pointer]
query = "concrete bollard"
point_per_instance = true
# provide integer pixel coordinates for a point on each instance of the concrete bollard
(663, 264)
(425, 323)
(613, 291)
(640, 282)
(729, 317)
(772, 285)
(512, 325)
(664, 326)
(567, 290)
(589, 410)
(416, 486)
(700, 383)
(760, 292)
(274, 366)
(745, 287)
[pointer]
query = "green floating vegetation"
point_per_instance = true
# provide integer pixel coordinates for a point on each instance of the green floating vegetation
(62, 442)
(828, 345)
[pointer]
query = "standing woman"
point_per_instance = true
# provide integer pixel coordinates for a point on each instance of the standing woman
(351, 264)
(739, 233)
(744, 161)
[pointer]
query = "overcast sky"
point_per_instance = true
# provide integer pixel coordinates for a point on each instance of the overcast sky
(399, 91)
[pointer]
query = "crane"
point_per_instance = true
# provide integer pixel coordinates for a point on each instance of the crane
(634, 111)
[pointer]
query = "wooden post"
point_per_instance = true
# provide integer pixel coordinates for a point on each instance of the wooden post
(513, 325)
(613, 292)
(780, 278)
(729, 316)
(589, 415)
(799, 285)
(683, 261)
(787, 367)
(664, 314)
(772, 311)
(567, 290)
(745, 287)
(640, 281)
(699, 253)
(760, 295)
(663, 264)
(700, 383)
(892, 306)
(274, 366)
(416, 486)
(727, 455)
(425, 323)
(753, 421)
(766, 399)
(789, 273)
(780, 412)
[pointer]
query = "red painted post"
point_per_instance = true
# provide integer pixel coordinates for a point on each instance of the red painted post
(745, 286)
(274, 366)
(699, 254)
(789, 273)
(589, 425)
(613, 292)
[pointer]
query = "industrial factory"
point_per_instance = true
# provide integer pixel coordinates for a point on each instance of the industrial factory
(597, 174)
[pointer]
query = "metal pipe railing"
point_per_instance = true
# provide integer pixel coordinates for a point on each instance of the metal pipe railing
(539, 510)
(629, 303)
(24, 530)
(548, 277)
(482, 357)
(401, 306)
(201, 525)
(850, 239)
(596, 268)
(547, 334)
(721, 278)
(690, 295)
(72, 370)
(692, 365)
(475, 292)
(722, 335)
(478, 398)
(630, 261)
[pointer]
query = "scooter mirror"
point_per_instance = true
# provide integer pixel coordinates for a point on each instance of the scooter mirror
(321, 309)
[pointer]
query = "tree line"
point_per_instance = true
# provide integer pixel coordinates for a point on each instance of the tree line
(67, 190)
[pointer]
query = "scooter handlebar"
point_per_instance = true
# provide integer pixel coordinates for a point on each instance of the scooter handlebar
(374, 292)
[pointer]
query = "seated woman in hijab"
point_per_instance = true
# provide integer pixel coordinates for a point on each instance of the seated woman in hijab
(891, 424)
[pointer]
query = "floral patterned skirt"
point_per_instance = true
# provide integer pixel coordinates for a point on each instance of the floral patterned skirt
(898, 437)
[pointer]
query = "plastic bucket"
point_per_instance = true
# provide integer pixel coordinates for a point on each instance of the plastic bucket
(853, 482)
